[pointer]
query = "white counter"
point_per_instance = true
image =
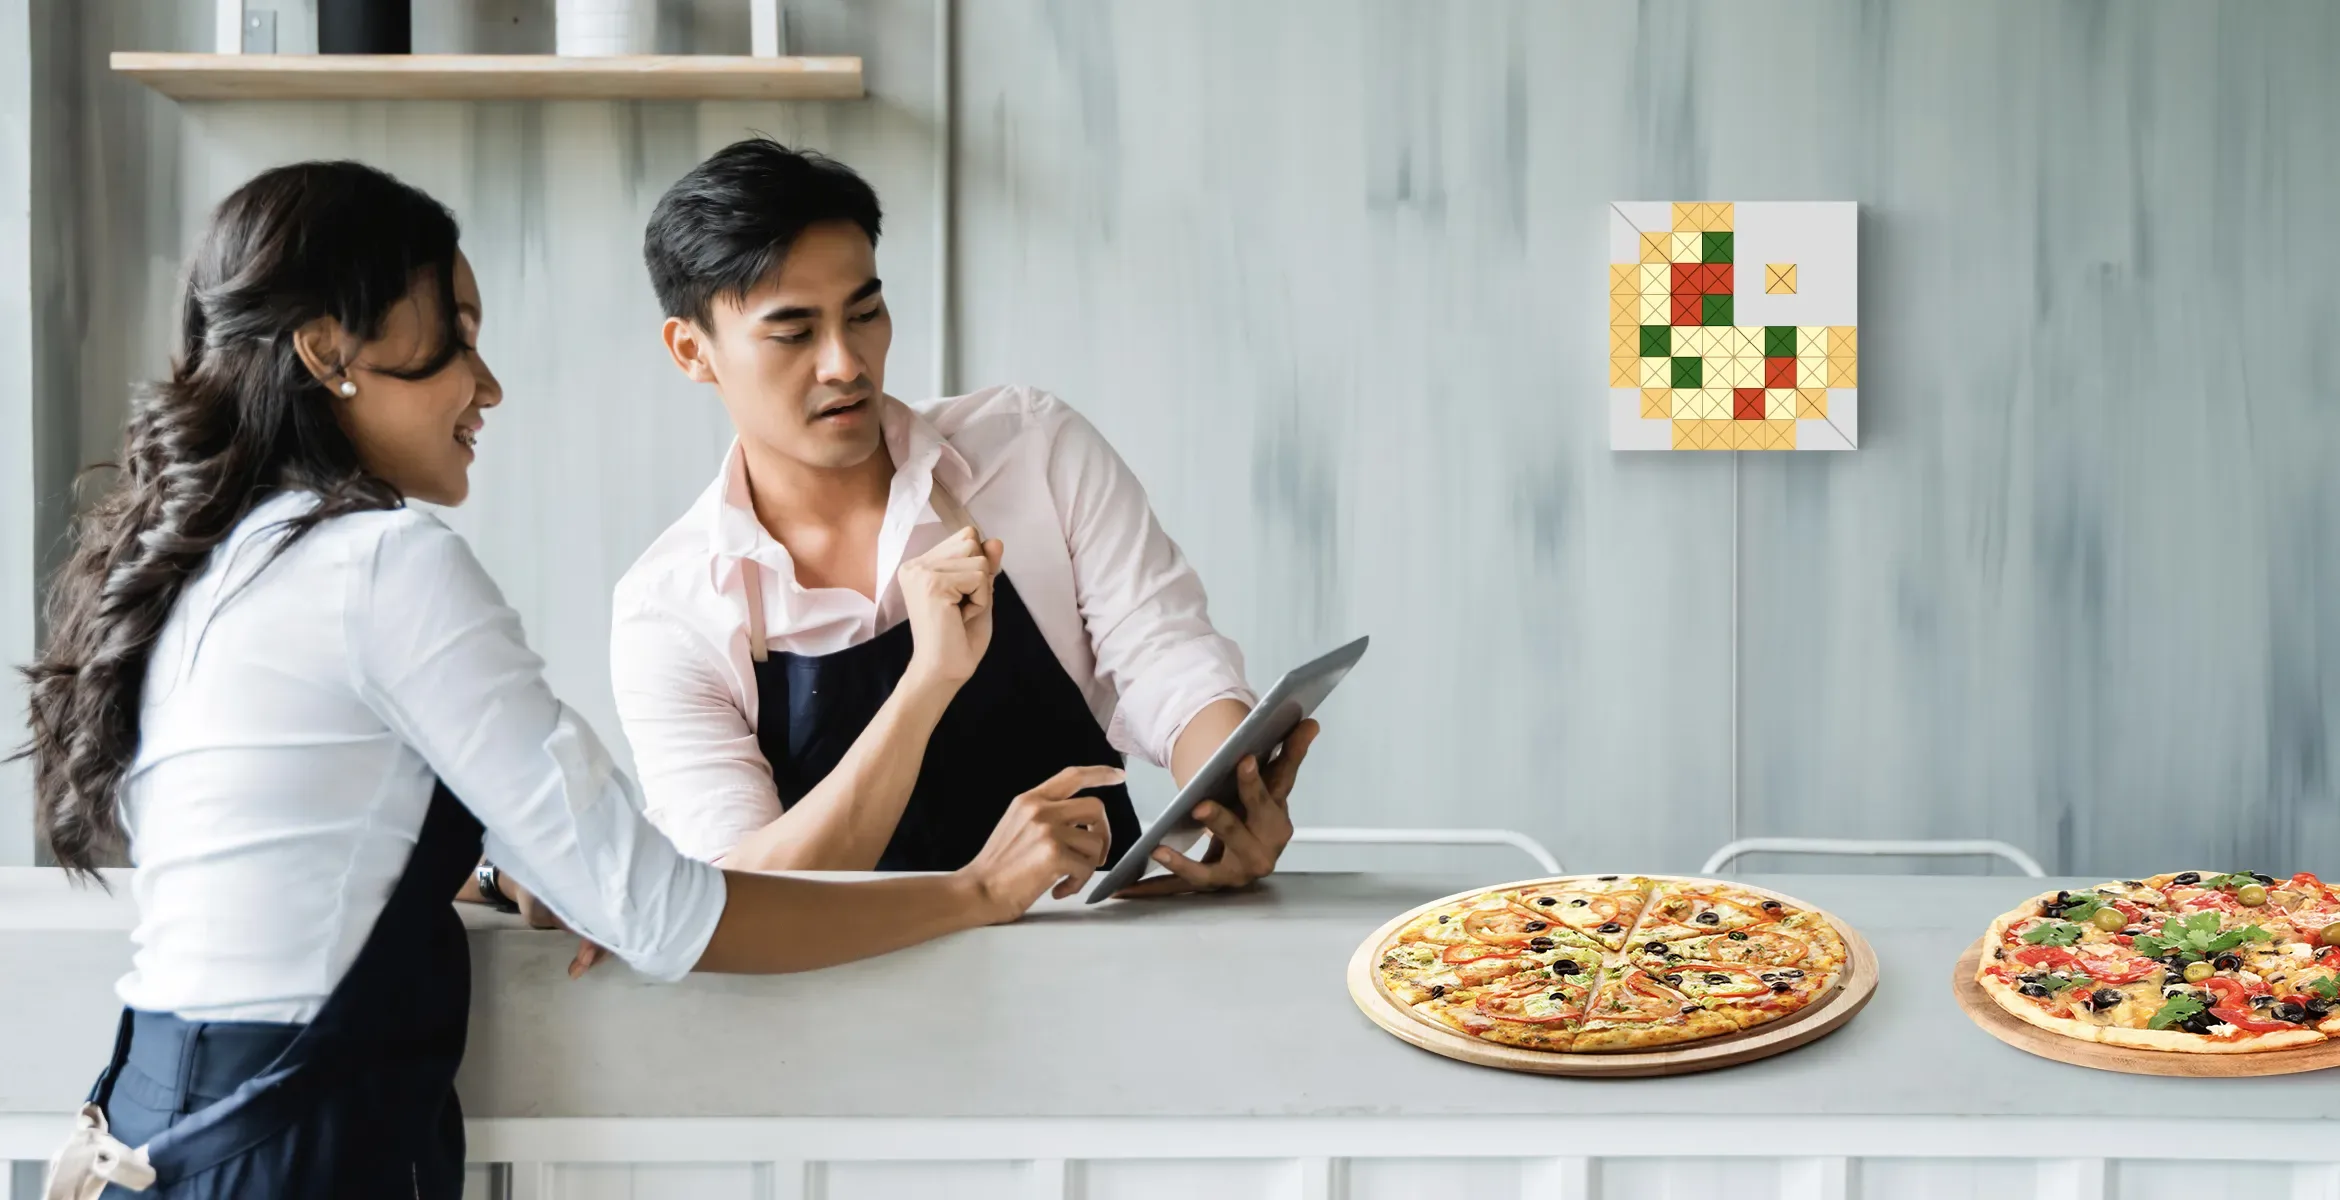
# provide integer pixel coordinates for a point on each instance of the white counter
(1207, 1047)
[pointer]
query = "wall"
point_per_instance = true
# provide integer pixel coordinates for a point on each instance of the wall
(1330, 274)
(1333, 284)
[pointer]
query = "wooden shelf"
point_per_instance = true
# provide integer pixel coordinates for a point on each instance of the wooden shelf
(490, 77)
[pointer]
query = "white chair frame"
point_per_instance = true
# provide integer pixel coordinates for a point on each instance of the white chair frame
(1342, 835)
(1934, 847)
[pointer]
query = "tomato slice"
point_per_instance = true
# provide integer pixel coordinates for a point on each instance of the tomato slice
(2051, 957)
(1637, 997)
(2204, 901)
(2106, 968)
(1470, 952)
(1506, 926)
(2306, 880)
(2234, 1008)
(1767, 947)
(1581, 910)
(1516, 1000)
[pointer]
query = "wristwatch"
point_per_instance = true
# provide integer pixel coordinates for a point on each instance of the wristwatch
(491, 890)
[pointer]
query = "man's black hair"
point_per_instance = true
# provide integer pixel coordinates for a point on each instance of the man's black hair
(720, 229)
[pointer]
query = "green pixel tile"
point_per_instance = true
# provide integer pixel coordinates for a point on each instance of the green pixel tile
(1779, 341)
(1717, 248)
(1717, 309)
(1688, 373)
(1657, 341)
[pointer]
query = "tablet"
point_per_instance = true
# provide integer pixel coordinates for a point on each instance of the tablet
(1290, 702)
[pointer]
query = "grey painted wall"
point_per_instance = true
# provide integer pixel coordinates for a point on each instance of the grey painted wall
(1331, 275)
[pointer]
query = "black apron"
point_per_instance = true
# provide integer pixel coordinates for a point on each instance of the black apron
(1017, 721)
(359, 1102)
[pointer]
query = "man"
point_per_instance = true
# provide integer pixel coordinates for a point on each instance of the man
(780, 709)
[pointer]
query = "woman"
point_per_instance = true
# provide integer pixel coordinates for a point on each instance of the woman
(297, 702)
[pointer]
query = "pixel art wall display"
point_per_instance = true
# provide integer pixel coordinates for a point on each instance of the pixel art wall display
(1734, 326)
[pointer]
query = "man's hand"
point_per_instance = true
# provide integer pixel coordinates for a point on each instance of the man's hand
(947, 591)
(533, 911)
(1242, 851)
(1048, 842)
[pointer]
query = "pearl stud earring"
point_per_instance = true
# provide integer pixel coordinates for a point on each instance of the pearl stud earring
(348, 388)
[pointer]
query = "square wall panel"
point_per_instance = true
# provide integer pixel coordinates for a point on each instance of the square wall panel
(1798, 304)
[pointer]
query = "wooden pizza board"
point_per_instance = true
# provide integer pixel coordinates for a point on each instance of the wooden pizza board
(1852, 990)
(2016, 1032)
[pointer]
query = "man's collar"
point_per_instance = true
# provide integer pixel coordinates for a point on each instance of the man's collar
(919, 454)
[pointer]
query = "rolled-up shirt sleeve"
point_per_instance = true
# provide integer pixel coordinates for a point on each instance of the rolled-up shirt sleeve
(442, 659)
(705, 779)
(1147, 617)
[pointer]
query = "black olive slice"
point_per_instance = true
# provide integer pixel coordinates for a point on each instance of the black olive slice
(1783, 988)
(2294, 1013)
(1546, 901)
(2227, 962)
(2185, 877)
(1708, 918)
(1608, 879)
(1566, 966)
(1773, 905)
(2103, 999)
(1737, 936)
(1675, 980)
(1443, 918)
(1611, 927)
(2032, 989)
(1717, 977)
(2268, 880)
(1541, 943)
(1579, 902)
(1437, 990)
(1533, 926)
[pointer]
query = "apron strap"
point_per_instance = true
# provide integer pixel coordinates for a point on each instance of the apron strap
(947, 506)
(751, 573)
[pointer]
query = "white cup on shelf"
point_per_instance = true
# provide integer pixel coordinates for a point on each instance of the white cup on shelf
(604, 27)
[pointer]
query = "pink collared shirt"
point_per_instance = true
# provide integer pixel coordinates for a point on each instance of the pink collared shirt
(1111, 593)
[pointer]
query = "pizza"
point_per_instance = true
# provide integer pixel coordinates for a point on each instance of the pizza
(1610, 962)
(2194, 962)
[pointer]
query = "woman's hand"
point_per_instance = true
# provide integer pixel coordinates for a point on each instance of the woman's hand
(947, 591)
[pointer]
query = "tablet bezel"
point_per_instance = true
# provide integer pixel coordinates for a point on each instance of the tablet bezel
(1307, 686)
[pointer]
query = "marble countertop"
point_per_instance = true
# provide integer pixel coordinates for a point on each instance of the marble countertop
(1202, 1007)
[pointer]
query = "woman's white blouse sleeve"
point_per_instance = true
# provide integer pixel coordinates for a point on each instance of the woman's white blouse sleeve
(441, 657)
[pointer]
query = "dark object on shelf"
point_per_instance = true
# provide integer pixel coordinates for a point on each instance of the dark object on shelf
(365, 27)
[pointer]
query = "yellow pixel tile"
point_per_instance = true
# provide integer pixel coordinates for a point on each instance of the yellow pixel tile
(1779, 279)
(1655, 372)
(1625, 310)
(1624, 279)
(1657, 404)
(1779, 404)
(1683, 431)
(1655, 279)
(1843, 373)
(1685, 217)
(1843, 341)
(1621, 373)
(1812, 404)
(1655, 246)
(1686, 404)
(1688, 248)
(1625, 339)
(1783, 434)
(1718, 217)
(1811, 341)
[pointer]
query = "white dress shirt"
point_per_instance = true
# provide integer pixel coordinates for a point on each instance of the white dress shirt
(1111, 593)
(296, 716)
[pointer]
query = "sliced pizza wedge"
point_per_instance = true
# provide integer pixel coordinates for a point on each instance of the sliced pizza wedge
(1603, 908)
(1633, 1010)
(1539, 1009)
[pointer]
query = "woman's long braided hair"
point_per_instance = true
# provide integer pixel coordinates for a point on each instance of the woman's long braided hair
(240, 418)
